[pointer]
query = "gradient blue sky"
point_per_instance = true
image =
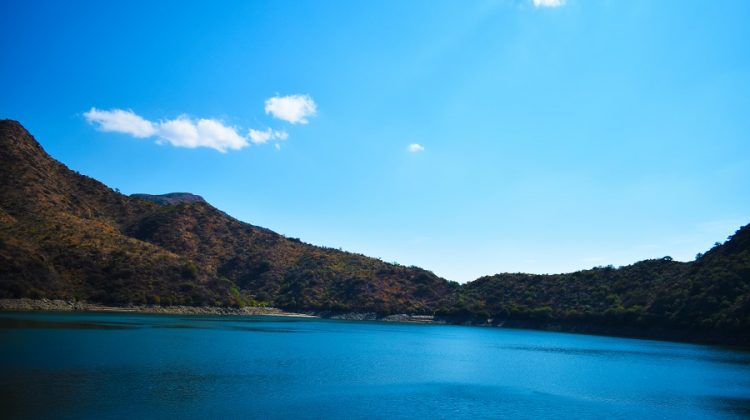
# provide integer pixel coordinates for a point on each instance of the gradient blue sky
(555, 138)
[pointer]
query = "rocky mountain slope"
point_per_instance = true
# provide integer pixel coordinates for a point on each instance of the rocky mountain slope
(67, 236)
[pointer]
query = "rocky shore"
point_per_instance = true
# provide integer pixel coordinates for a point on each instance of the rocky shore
(25, 305)
(372, 316)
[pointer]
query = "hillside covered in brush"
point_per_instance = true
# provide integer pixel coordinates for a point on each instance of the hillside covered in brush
(703, 300)
(65, 235)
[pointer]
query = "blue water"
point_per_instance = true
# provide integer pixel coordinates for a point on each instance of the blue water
(56, 365)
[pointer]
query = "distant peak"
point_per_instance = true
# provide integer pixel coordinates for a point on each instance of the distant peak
(11, 123)
(19, 148)
(171, 198)
(13, 130)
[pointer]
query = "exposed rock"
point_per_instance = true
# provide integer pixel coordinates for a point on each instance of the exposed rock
(356, 316)
(171, 198)
(408, 318)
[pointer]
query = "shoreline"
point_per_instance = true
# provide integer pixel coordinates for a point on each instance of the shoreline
(59, 305)
(653, 333)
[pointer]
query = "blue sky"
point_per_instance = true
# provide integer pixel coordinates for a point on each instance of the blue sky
(466, 137)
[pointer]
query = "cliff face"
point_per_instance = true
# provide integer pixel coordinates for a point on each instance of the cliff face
(67, 236)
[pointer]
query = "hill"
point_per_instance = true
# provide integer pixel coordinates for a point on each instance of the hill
(64, 235)
(171, 198)
(706, 300)
(67, 236)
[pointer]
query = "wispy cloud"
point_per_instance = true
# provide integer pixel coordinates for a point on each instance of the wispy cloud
(121, 121)
(415, 148)
(260, 137)
(185, 132)
(182, 131)
(548, 3)
(292, 108)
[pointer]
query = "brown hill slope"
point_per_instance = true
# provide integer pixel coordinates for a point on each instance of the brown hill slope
(60, 236)
(65, 235)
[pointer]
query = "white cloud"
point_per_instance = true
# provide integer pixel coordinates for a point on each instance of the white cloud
(548, 3)
(293, 108)
(179, 132)
(281, 135)
(184, 132)
(260, 137)
(121, 121)
(415, 147)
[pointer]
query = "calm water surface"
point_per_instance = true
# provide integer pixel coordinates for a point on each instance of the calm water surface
(55, 365)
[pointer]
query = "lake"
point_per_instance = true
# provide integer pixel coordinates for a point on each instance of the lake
(112, 365)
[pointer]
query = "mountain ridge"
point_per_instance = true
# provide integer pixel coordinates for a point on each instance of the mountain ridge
(109, 247)
(169, 199)
(64, 235)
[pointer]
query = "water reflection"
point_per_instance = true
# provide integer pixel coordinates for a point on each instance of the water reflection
(738, 406)
(22, 323)
(731, 357)
(261, 329)
(14, 322)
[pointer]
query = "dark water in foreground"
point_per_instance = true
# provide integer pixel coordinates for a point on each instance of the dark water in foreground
(136, 366)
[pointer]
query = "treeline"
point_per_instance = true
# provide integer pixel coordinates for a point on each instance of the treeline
(704, 300)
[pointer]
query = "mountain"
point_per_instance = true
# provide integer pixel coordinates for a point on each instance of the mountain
(64, 235)
(706, 300)
(67, 236)
(171, 198)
